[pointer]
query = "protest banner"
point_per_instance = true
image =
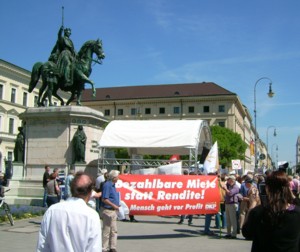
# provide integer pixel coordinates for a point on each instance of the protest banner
(169, 194)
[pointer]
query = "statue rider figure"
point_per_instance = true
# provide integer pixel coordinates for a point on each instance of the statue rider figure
(66, 53)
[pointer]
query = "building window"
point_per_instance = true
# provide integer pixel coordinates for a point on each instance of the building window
(191, 109)
(205, 109)
(162, 110)
(176, 110)
(35, 100)
(107, 112)
(147, 111)
(133, 111)
(221, 108)
(1, 91)
(13, 95)
(221, 124)
(120, 112)
(11, 126)
(25, 95)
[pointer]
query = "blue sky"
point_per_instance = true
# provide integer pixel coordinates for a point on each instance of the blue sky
(232, 43)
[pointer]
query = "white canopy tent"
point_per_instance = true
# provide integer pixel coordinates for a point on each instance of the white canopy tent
(158, 137)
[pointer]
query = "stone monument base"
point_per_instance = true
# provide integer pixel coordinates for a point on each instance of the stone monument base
(18, 170)
(48, 138)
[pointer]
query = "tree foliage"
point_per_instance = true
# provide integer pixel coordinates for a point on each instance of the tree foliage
(231, 145)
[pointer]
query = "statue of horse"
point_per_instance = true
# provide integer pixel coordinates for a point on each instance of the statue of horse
(53, 80)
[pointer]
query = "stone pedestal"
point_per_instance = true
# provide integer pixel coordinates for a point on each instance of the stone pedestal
(18, 170)
(49, 132)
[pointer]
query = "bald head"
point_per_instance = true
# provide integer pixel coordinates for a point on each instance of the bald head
(81, 186)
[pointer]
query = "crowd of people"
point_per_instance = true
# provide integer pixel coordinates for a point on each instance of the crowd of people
(263, 208)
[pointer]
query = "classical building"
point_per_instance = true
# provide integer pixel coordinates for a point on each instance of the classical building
(206, 101)
(14, 99)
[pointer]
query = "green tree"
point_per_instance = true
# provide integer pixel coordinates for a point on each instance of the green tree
(230, 144)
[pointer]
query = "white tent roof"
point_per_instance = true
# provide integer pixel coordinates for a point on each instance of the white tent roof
(157, 137)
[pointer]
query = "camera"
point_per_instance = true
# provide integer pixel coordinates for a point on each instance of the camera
(263, 194)
(262, 189)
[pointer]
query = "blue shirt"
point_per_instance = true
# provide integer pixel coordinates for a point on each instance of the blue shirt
(244, 189)
(109, 192)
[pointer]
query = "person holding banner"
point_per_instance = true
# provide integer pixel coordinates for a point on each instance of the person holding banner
(110, 206)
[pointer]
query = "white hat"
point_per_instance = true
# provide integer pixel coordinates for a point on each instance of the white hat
(104, 171)
(232, 173)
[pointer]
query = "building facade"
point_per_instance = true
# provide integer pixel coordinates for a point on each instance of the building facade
(205, 101)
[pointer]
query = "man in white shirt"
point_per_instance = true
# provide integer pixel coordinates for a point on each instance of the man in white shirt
(72, 225)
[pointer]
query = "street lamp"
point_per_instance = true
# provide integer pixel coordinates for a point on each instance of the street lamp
(275, 159)
(270, 94)
(275, 134)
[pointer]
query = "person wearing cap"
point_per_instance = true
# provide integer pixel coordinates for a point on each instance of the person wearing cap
(231, 207)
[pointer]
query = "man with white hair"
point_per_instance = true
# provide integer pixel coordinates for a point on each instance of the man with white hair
(109, 208)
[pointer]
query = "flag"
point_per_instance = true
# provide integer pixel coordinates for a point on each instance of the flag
(211, 163)
(175, 157)
(252, 147)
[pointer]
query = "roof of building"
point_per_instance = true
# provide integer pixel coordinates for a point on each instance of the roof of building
(156, 91)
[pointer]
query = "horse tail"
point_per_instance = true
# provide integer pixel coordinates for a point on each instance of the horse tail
(35, 75)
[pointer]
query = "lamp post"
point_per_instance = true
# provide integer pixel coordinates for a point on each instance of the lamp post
(270, 94)
(275, 159)
(275, 134)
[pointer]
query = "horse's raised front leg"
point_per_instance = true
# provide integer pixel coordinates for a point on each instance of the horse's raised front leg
(87, 80)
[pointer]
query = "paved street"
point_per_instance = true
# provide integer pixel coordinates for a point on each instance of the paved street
(151, 233)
